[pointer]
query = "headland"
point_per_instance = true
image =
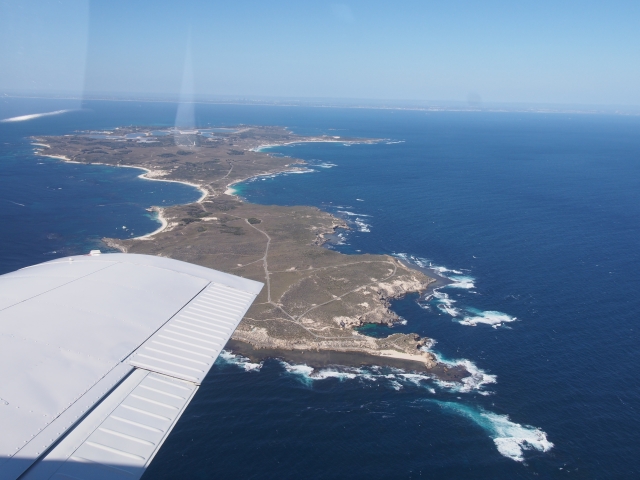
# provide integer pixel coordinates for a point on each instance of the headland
(314, 297)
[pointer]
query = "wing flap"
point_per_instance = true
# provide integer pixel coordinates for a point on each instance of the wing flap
(122, 435)
(187, 345)
(102, 361)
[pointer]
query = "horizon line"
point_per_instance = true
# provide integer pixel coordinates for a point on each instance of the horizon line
(351, 103)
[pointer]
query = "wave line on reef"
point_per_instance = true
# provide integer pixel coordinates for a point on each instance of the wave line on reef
(243, 362)
(510, 438)
(468, 316)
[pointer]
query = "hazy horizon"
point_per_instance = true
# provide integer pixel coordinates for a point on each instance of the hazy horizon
(496, 53)
(327, 102)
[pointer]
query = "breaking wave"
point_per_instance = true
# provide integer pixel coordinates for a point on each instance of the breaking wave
(468, 316)
(395, 377)
(461, 281)
(476, 381)
(510, 438)
(308, 374)
(242, 362)
(345, 212)
(425, 263)
(489, 317)
(362, 226)
(445, 303)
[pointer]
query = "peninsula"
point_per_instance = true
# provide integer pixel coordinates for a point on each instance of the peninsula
(314, 298)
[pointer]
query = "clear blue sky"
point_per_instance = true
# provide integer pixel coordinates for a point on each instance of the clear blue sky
(566, 52)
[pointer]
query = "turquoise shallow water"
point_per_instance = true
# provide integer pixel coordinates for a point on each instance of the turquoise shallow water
(534, 218)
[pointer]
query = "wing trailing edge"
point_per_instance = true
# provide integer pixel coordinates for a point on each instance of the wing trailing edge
(99, 357)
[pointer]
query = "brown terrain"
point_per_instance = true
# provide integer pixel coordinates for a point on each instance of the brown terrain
(314, 297)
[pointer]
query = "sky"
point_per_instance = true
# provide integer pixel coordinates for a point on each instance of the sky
(543, 52)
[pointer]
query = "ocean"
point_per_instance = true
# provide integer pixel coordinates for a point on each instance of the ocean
(535, 218)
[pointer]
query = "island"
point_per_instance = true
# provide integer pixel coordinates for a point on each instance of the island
(315, 299)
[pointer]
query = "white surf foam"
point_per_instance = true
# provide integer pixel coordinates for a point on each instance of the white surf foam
(476, 380)
(461, 281)
(489, 317)
(352, 214)
(24, 118)
(511, 439)
(308, 374)
(426, 263)
(420, 262)
(329, 373)
(392, 377)
(442, 270)
(396, 380)
(240, 361)
(362, 226)
(414, 378)
(445, 303)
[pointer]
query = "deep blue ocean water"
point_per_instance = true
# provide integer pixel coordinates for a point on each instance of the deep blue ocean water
(536, 219)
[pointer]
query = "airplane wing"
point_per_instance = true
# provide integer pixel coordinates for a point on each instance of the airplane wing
(99, 357)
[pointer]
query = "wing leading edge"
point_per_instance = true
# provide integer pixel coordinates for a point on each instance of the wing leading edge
(99, 357)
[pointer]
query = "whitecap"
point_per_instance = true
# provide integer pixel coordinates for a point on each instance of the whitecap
(426, 263)
(308, 374)
(461, 281)
(414, 378)
(489, 317)
(442, 270)
(240, 361)
(510, 438)
(475, 381)
(329, 373)
(362, 226)
(345, 212)
(445, 303)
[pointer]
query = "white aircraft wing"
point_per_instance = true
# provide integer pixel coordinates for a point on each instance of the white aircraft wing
(99, 357)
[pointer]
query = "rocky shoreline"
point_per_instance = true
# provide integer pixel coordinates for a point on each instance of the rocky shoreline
(314, 298)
